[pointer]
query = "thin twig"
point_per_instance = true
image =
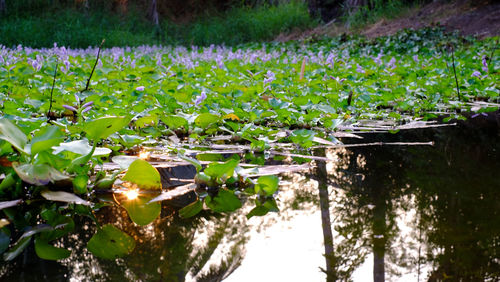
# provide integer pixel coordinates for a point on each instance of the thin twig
(349, 99)
(96, 61)
(493, 52)
(52, 91)
(455, 72)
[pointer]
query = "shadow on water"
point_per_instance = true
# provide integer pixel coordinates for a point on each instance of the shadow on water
(387, 213)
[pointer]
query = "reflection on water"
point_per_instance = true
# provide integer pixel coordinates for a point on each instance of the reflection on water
(395, 214)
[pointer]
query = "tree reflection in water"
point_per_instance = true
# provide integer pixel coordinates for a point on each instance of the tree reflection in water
(451, 188)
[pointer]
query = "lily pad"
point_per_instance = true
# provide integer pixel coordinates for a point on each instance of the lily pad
(141, 211)
(205, 120)
(225, 201)
(103, 127)
(221, 171)
(267, 185)
(110, 243)
(144, 175)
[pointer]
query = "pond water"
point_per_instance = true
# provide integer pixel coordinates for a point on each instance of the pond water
(387, 213)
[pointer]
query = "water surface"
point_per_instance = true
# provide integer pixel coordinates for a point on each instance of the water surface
(396, 213)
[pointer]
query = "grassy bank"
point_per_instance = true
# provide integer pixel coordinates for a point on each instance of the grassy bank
(71, 27)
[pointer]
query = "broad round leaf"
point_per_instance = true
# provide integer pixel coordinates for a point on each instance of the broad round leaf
(144, 175)
(110, 242)
(205, 120)
(267, 185)
(225, 201)
(140, 211)
(103, 127)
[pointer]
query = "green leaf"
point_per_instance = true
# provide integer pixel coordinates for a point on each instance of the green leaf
(39, 174)
(7, 182)
(80, 183)
(140, 211)
(110, 242)
(45, 139)
(258, 211)
(221, 171)
(61, 196)
(267, 185)
(144, 175)
(174, 122)
(46, 251)
(209, 157)
(81, 147)
(206, 119)
(303, 137)
(12, 134)
(101, 128)
(191, 209)
(4, 239)
(62, 225)
(225, 201)
(146, 121)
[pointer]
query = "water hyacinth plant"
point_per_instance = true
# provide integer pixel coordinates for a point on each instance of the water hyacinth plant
(267, 98)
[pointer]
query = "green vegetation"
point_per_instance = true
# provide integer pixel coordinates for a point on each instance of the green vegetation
(74, 28)
(378, 9)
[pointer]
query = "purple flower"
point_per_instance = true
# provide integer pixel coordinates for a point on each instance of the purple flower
(88, 104)
(476, 74)
(35, 64)
(201, 98)
(415, 58)
(270, 77)
(86, 109)
(140, 88)
(378, 59)
(392, 63)
(360, 69)
(71, 108)
(485, 64)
